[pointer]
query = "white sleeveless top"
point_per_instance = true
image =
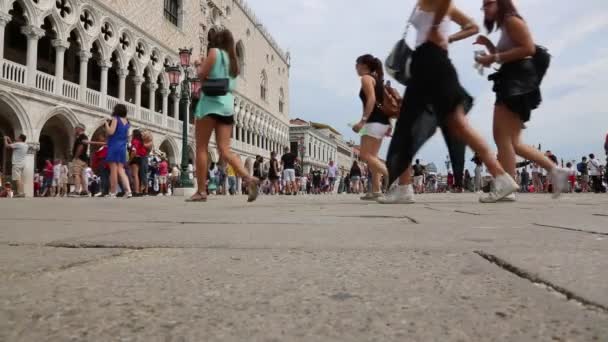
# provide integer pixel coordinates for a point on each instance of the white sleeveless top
(423, 21)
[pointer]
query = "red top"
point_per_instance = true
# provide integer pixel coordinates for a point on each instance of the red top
(48, 170)
(99, 158)
(163, 168)
(139, 148)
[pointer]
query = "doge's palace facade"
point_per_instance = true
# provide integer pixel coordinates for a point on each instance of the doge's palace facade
(67, 62)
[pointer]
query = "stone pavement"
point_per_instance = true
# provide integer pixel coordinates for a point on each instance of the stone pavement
(304, 268)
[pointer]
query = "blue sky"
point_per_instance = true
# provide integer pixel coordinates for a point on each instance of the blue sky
(326, 36)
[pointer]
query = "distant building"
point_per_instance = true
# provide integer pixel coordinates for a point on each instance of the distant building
(316, 144)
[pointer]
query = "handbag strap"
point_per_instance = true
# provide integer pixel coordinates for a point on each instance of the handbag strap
(409, 21)
(224, 63)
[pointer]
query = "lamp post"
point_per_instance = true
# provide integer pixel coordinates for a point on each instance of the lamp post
(189, 90)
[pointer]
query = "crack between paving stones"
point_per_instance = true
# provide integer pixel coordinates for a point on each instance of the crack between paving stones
(535, 279)
(159, 222)
(570, 229)
(403, 217)
(601, 215)
(467, 212)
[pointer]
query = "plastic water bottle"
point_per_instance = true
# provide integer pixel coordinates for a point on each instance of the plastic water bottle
(362, 132)
(478, 66)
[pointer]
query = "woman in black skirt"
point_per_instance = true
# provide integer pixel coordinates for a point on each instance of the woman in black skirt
(517, 87)
(434, 98)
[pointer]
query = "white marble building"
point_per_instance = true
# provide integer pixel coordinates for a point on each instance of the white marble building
(70, 61)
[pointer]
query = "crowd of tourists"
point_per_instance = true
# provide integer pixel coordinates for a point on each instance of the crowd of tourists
(434, 99)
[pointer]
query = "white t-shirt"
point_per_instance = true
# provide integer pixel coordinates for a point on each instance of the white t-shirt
(594, 167)
(57, 171)
(19, 152)
(332, 170)
(64, 171)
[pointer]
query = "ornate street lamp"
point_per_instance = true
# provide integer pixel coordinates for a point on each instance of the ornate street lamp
(190, 87)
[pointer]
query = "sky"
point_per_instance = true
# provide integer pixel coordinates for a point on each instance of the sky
(325, 37)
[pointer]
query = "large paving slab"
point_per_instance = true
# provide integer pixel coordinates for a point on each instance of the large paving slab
(276, 295)
(304, 268)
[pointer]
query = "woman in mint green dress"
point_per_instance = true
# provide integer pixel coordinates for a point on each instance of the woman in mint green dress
(216, 113)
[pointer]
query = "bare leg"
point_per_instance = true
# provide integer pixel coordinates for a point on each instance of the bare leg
(222, 138)
(204, 128)
(369, 152)
(124, 179)
(135, 175)
(460, 126)
(113, 177)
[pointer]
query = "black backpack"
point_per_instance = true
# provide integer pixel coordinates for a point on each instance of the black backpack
(541, 61)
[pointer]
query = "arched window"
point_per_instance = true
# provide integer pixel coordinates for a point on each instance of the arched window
(172, 9)
(281, 100)
(240, 55)
(263, 85)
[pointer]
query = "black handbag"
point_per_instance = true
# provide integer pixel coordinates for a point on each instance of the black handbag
(398, 62)
(217, 86)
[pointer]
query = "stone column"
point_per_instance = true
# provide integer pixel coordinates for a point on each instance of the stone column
(165, 93)
(28, 171)
(138, 80)
(152, 97)
(4, 19)
(60, 47)
(105, 66)
(84, 65)
(33, 34)
(175, 97)
(122, 77)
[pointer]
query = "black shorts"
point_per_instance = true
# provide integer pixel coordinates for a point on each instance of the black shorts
(225, 120)
(135, 161)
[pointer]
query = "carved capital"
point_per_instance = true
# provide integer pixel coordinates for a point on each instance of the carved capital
(104, 64)
(32, 32)
(60, 45)
(122, 73)
(5, 18)
(33, 147)
(84, 55)
(138, 80)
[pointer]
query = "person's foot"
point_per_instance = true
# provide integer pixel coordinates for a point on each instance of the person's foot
(74, 194)
(198, 197)
(399, 194)
(253, 189)
(22, 195)
(110, 196)
(509, 198)
(559, 179)
(83, 194)
(504, 185)
(128, 195)
(371, 196)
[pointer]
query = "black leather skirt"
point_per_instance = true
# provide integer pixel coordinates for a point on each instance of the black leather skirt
(516, 86)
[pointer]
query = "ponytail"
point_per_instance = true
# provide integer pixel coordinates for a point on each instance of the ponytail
(374, 65)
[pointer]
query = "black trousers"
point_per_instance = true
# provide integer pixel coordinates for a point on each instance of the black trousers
(596, 184)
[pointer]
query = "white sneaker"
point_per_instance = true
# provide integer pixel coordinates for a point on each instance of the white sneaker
(509, 198)
(400, 194)
(559, 180)
(504, 185)
(129, 195)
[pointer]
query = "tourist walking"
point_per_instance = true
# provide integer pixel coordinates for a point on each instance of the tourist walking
(117, 131)
(19, 148)
(138, 152)
(517, 87)
(374, 124)
(288, 161)
(273, 173)
(332, 172)
(434, 94)
(355, 178)
(80, 158)
(216, 113)
(163, 173)
(595, 173)
(418, 177)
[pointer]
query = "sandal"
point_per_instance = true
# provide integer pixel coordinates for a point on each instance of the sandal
(253, 189)
(197, 197)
